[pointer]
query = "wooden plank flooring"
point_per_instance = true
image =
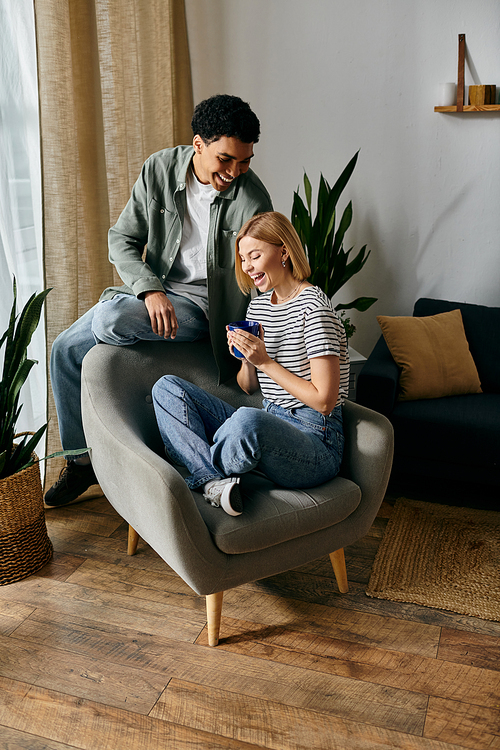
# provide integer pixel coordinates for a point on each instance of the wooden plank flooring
(102, 650)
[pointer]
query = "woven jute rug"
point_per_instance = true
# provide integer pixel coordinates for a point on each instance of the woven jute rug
(442, 557)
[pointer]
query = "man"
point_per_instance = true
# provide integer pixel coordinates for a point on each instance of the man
(187, 207)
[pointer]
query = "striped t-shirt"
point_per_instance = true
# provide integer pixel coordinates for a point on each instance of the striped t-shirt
(294, 333)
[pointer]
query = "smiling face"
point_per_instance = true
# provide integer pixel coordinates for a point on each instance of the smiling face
(222, 161)
(263, 263)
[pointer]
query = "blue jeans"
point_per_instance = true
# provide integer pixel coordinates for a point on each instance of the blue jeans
(213, 440)
(121, 321)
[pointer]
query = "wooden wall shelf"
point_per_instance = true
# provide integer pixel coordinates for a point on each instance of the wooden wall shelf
(470, 108)
(460, 106)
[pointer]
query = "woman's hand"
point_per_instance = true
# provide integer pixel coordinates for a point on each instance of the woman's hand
(247, 375)
(252, 347)
(320, 393)
(229, 342)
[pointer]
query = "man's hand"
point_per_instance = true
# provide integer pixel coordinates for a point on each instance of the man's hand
(162, 314)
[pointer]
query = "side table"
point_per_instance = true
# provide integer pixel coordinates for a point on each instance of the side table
(357, 361)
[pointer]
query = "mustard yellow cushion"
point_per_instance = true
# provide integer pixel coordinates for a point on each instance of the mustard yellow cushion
(433, 355)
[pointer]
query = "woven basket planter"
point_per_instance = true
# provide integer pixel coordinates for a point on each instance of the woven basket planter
(25, 546)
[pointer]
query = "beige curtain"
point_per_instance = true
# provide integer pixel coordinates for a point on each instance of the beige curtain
(114, 87)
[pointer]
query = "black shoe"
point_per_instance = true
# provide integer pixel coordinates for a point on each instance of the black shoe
(73, 480)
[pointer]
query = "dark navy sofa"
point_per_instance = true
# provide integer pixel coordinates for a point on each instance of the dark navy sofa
(457, 437)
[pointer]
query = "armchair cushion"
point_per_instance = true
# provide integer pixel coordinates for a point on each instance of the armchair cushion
(433, 355)
(274, 514)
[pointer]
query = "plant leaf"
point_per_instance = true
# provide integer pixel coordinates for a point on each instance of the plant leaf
(361, 304)
(308, 191)
(355, 265)
(331, 197)
(15, 372)
(344, 225)
(301, 221)
(21, 457)
(28, 322)
(323, 193)
(330, 264)
(17, 382)
(344, 178)
(337, 275)
(9, 333)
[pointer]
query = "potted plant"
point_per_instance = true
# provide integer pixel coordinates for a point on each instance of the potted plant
(24, 543)
(331, 265)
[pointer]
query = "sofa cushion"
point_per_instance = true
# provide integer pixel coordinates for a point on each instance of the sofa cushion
(433, 355)
(274, 514)
(482, 328)
(459, 430)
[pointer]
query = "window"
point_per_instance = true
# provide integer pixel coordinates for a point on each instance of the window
(20, 189)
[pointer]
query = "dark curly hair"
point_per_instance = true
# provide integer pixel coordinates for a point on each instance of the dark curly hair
(225, 115)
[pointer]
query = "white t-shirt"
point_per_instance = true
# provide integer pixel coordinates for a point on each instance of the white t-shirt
(294, 333)
(188, 275)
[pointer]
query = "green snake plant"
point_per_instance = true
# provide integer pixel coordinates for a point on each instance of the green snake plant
(331, 265)
(16, 368)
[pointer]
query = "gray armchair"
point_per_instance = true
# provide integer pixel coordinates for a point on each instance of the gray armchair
(279, 529)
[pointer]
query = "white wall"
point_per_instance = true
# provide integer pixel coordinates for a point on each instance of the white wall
(329, 77)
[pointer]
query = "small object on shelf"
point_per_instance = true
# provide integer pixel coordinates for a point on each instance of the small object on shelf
(482, 94)
(460, 106)
(447, 94)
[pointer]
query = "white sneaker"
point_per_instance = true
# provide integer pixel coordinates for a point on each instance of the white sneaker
(225, 493)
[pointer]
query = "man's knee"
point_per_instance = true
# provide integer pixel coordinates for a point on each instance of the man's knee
(120, 320)
(107, 317)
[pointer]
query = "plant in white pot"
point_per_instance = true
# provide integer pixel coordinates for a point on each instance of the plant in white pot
(331, 265)
(24, 543)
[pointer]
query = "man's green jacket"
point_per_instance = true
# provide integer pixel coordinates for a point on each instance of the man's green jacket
(153, 217)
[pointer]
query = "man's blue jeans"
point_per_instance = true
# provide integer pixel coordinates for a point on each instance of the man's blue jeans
(121, 321)
(293, 447)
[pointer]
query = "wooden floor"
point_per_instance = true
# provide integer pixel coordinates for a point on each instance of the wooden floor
(104, 651)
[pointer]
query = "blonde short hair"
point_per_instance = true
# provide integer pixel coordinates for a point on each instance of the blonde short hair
(276, 229)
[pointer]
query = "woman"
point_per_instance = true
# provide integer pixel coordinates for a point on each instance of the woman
(300, 362)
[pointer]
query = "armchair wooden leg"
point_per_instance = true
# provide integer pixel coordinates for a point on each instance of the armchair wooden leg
(133, 540)
(338, 563)
(214, 611)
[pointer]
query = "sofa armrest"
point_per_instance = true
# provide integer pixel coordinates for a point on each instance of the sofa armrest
(377, 386)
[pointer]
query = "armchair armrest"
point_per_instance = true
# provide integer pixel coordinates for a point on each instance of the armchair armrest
(377, 386)
(368, 454)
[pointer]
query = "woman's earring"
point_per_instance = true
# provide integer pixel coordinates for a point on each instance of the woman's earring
(283, 263)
